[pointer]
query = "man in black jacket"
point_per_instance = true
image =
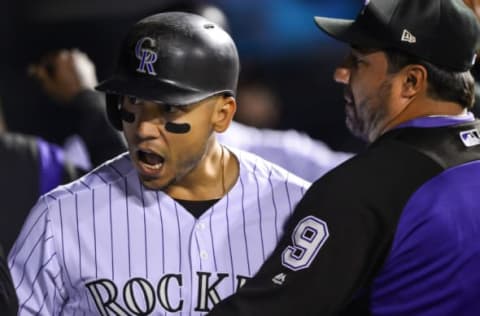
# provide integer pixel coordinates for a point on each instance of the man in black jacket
(395, 229)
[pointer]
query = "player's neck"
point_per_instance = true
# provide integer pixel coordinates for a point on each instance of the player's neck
(214, 176)
(423, 107)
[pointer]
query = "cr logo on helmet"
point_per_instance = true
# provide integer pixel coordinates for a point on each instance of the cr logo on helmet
(146, 56)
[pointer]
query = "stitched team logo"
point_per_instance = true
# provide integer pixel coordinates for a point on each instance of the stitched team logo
(470, 138)
(146, 56)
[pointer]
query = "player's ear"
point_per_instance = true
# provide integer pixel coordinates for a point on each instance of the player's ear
(224, 112)
(414, 80)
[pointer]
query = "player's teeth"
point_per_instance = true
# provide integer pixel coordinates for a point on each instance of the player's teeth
(151, 159)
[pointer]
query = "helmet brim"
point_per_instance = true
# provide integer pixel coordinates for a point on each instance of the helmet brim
(155, 90)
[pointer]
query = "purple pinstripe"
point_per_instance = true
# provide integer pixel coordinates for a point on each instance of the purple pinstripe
(244, 230)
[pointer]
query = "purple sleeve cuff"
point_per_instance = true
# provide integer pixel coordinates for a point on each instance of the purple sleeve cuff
(51, 161)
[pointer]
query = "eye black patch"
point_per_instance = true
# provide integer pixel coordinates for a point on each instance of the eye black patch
(177, 128)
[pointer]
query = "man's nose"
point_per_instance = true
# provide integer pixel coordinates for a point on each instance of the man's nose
(149, 125)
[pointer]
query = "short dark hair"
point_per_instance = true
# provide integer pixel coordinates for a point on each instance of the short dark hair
(443, 84)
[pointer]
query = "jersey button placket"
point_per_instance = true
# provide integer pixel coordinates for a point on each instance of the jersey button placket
(203, 255)
(201, 226)
(200, 229)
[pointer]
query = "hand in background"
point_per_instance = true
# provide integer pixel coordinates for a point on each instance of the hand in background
(474, 5)
(65, 73)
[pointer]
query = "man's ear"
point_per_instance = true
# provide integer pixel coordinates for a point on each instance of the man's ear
(224, 112)
(415, 80)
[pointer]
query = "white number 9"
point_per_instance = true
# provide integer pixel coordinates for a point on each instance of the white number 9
(307, 238)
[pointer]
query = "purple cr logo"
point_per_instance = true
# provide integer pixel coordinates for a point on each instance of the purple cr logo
(146, 56)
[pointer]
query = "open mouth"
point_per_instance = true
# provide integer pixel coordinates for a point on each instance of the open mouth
(150, 160)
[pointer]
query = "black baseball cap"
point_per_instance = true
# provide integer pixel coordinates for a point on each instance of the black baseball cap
(445, 33)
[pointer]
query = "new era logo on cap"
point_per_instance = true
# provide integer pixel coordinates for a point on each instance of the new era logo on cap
(408, 37)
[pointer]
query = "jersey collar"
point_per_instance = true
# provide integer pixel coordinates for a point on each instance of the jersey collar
(439, 120)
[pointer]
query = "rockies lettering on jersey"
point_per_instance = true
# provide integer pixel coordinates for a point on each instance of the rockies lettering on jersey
(106, 245)
(105, 294)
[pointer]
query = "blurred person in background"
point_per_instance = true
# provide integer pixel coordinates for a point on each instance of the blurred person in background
(68, 77)
(31, 166)
(262, 106)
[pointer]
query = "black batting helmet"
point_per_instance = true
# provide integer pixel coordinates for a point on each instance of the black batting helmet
(175, 58)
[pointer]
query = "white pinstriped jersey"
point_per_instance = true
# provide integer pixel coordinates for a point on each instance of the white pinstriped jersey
(106, 245)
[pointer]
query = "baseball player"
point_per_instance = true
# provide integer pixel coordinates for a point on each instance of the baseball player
(396, 229)
(179, 222)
